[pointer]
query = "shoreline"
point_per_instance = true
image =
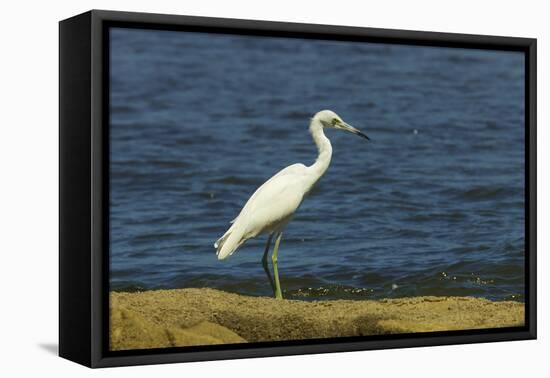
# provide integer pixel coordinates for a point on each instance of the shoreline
(191, 317)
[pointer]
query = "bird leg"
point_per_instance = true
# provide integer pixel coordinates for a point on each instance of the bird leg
(264, 262)
(278, 293)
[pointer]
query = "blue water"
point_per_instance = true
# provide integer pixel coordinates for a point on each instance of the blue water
(434, 205)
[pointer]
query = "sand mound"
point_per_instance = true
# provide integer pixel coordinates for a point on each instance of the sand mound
(184, 317)
(129, 330)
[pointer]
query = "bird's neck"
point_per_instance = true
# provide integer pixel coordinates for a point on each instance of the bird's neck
(323, 146)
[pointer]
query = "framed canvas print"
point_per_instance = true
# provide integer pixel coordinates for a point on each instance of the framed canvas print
(234, 188)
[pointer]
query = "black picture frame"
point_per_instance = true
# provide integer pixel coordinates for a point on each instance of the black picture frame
(83, 178)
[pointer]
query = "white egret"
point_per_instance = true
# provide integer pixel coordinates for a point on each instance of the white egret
(274, 203)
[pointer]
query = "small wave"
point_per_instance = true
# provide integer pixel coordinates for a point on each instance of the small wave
(477, 193)
(139, 254)
(196, 140)
(363, 105)
(235, 180)
(126, 287)
(267, 131)
(168, 164)
(436, 217)
(298, 115)
(330, 292)
(146, 238)
(484, 193)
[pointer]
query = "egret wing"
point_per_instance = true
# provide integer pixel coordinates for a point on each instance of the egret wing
(268, 209)
(272, 205)
(294, 170)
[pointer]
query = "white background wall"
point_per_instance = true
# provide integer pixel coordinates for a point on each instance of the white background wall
(29, 189)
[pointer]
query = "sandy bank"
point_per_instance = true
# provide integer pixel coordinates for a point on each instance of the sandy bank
(164, 318)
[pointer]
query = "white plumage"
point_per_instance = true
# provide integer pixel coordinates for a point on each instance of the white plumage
(274, 203)
(268, 210)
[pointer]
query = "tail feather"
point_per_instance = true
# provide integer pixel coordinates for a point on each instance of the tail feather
(219, 243)
(229, 242)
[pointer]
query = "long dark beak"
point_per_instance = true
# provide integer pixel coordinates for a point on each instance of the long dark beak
(353, 130)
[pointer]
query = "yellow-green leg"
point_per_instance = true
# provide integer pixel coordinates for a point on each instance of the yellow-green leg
(278, 293)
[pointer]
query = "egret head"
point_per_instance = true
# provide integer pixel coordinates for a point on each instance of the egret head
(329, 119)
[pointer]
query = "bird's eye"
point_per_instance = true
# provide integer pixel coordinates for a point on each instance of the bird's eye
(334, 121)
